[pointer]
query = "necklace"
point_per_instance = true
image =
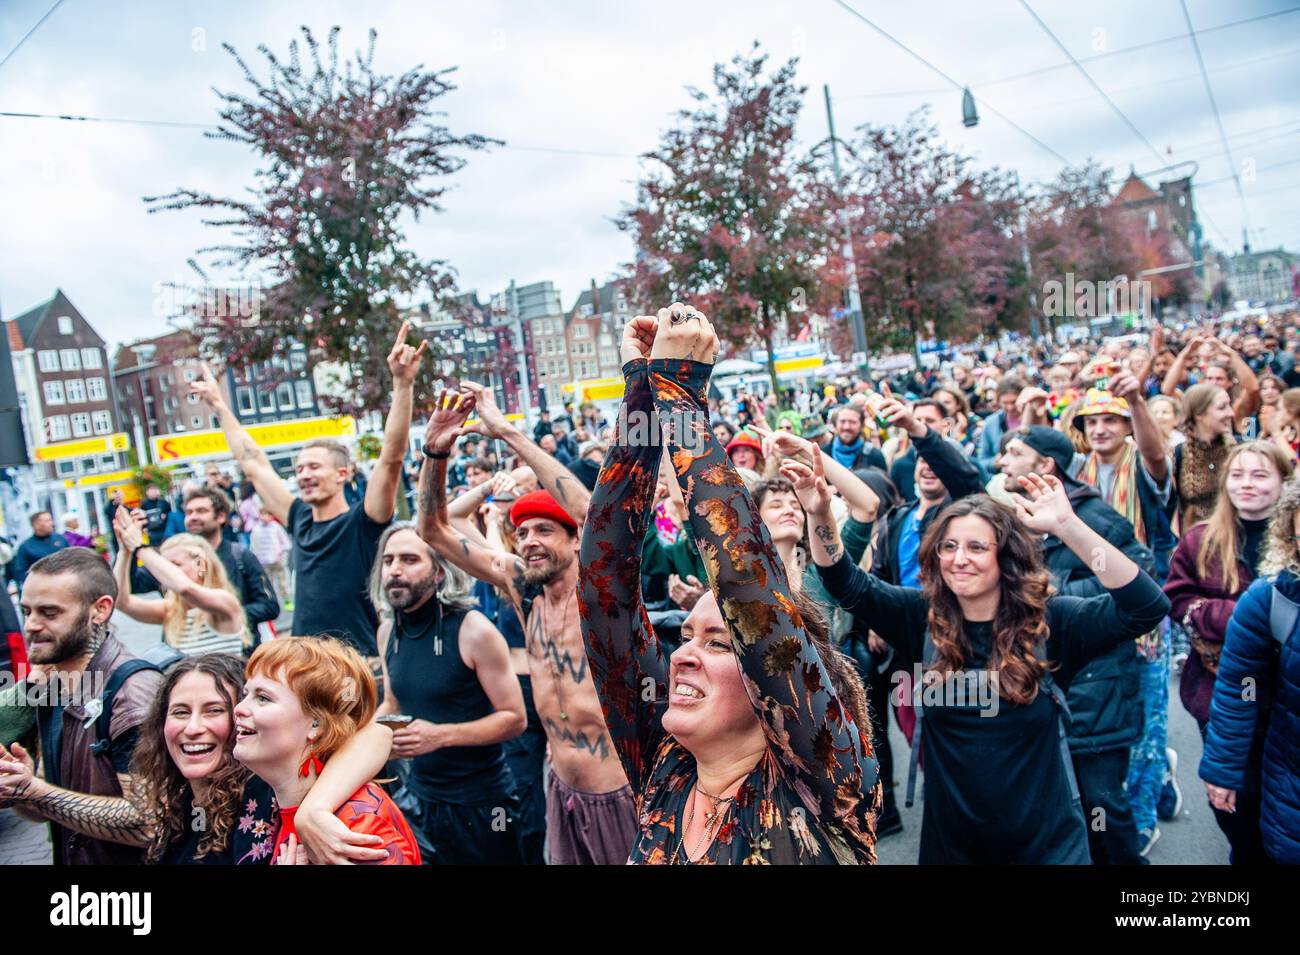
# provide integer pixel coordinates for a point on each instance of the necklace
(549, 648)
(721, 806)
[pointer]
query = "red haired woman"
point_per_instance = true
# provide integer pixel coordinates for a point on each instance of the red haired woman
(303, 699)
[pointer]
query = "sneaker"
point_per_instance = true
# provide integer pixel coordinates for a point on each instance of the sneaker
(1170, 803)
(1148, 838)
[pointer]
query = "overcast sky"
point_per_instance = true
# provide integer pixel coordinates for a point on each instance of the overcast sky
(605, 78)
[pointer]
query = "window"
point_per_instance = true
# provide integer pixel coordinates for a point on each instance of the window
(297, 360)
(190, 374)
(266, 400)
(96, 390)
(71, 359)
(103, 422)
(81, 425)
(284, 396)
(192, 398)
(107, 462)
(48, 360)
(76, 390)
(244, 396)
(196, 421)
(90, 358)
(65, 325)
(214, 422)
(67, 468)
(579, 331)
(303, 391)
(54, 392)
(56, 428)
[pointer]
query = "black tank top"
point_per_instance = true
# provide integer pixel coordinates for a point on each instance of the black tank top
(432, 682)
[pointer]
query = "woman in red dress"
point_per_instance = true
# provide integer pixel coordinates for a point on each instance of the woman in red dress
(303, 699)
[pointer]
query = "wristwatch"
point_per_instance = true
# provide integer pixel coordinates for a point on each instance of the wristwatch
(437, 456)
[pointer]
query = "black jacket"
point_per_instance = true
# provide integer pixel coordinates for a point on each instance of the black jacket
(247, 576)
(959, 476)
(1105, 696)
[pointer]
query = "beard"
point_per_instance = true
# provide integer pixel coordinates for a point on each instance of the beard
(64, 646)
(405, 594)
(540, 575)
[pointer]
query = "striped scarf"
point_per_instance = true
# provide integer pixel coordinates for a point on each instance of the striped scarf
(1124, 495)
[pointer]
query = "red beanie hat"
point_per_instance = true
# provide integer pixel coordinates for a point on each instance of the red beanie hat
(744, 439)
(540, 504)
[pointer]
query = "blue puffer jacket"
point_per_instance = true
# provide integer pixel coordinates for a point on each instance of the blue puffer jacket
(1251, 654)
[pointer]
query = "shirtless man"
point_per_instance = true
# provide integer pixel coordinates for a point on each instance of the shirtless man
(590, 811)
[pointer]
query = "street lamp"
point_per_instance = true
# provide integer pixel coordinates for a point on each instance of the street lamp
(969, 117)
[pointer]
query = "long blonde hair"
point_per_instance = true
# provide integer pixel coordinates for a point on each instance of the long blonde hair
(1219, 545)
(214, 576)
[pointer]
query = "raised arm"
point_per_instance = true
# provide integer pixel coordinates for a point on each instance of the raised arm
(1178, 370)
(864, 504)
(897, 614)
(1146, 433)
(627, 663)
(386, 477)
(496, 568)
(252, 459)
(145, 611)
(820, 749)
(554, 477)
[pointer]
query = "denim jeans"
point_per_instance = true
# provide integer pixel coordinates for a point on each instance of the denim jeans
(1147, 762)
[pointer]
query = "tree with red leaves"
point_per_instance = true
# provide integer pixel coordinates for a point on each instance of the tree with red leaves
(932, 236)
(731, 217)
(346, 153)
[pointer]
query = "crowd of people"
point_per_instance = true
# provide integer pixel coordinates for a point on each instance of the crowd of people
(675, 634)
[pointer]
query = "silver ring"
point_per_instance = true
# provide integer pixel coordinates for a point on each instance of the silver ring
(677, 319)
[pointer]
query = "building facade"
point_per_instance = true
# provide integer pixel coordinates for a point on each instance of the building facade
(1264, 278)
(65, 393)
(152, 378)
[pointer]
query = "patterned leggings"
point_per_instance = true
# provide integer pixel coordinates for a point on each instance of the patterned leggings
(1147, 761)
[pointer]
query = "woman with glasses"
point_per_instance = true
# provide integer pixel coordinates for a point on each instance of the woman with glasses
(992, 651)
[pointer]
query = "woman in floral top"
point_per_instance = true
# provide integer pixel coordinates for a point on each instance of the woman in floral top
(751, 744)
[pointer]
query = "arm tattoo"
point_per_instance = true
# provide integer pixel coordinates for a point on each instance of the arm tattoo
(464, 546)
(827, 536)
(559, 489)
(110, 818)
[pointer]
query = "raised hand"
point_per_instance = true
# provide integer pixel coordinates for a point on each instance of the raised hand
(492, 420)
(403, 360)
(809, 483)
(208, 388)
(782, 443)
(1125, 385)
(684, 332)
(447, 423)
(638, 338)
(685, 593)
(127, 529)
(1047, 508)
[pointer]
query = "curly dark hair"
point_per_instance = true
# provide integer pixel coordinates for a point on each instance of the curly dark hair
(164, 794)
(1021, 620)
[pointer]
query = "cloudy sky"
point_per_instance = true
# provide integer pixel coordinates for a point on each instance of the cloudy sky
(578, 89)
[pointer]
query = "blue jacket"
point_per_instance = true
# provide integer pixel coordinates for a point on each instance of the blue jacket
(32, 550)
(1251, 659)
(995, 426)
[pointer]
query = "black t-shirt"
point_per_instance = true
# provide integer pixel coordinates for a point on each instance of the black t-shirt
(250, 838)
(334, 558)
(1252, 543)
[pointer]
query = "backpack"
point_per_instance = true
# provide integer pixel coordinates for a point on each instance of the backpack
(161, 658)
(1058, 697)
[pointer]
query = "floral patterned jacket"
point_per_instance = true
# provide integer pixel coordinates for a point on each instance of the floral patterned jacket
(812, 797)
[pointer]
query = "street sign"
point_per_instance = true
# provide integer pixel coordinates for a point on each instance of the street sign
(84, 448)
(597, 389)
(191, 445)
(96, 480)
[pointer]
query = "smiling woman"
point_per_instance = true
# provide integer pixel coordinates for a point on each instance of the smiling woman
(304, 699)
(751, 745)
